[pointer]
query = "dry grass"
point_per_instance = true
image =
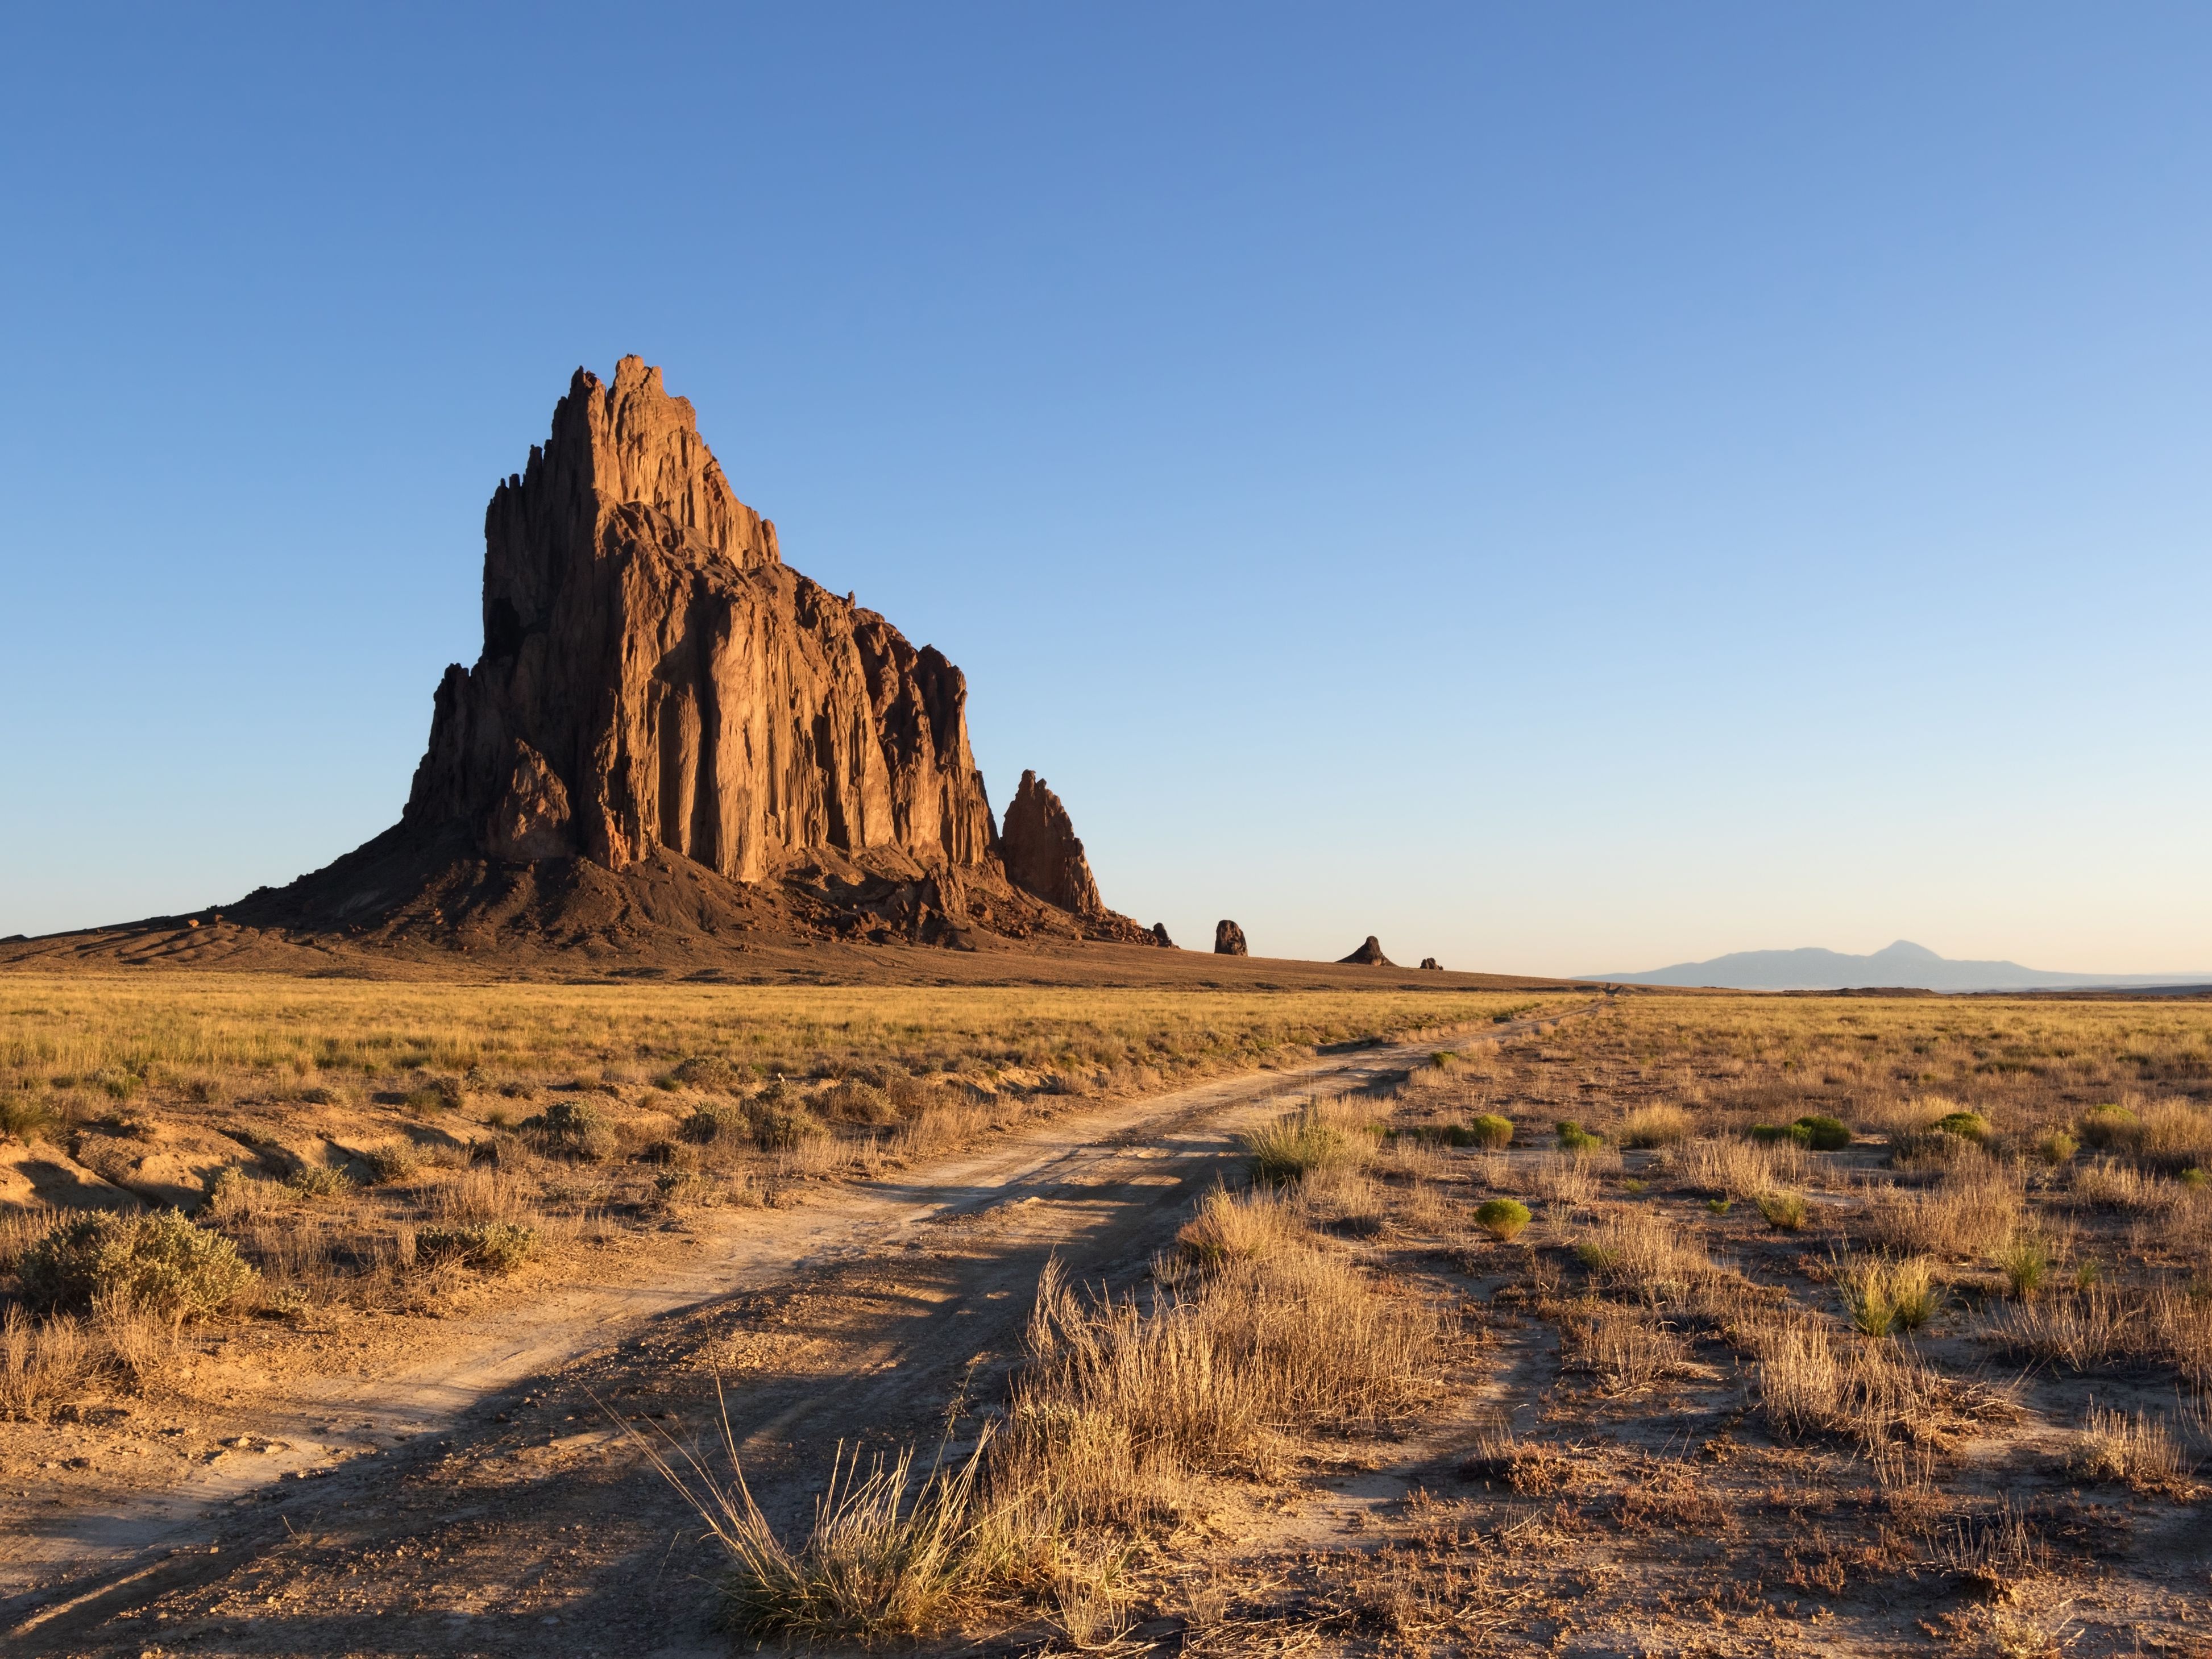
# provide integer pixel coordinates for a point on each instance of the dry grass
(1973, 1211)
(1660, 1124)
(1742, 1169)
(1333, 1134)
(1122, 1405)
(2135, 1448)
(1230, 1227)
(1811, 1381)
(227, 1032)
(887, 1554)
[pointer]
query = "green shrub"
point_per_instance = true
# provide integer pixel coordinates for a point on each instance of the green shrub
(1491, 1130)
(572, 1126)
(314, 1180)
(26, 1116)
(1719, 1206)
(1785, 1211)
(2193, 1176)
(2025, 1263)
(495, 1246)
(2106, 1128)
(1821, 1134)
(1502, 1217)
(1768, 1133)
(1573, 1138)
(159, 1262)
(2056, 1147)
(1967, 1125)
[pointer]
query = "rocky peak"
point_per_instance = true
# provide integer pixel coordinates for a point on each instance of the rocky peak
(1042, 856)
(654, 677)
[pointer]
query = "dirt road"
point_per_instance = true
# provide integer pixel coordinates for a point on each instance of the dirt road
(478, 1500)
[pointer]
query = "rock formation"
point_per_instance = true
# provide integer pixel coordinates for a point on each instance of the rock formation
(1042, 856)
(1370, 955)
(670, 729)
(1160, 936)
(1228, 939)
(1431, 963)
(653, 675)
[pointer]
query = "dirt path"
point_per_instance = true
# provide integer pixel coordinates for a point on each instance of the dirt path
(476, 1497)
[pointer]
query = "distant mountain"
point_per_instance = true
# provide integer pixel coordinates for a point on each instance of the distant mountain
(1902, 964)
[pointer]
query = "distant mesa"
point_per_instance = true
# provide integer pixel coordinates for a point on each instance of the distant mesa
(1904, 965)
(1370, 955)
(670, 734)
(1228, 939)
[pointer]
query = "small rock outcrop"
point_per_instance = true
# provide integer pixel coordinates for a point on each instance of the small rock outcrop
(1228, 939)
(1431, 963)
(1160, 936)
(1042, 856)
(1370, 955)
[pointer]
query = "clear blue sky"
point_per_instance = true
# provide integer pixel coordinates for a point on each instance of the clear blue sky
(1562, 488)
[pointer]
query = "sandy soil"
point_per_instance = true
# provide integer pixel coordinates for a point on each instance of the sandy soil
(462, 1486)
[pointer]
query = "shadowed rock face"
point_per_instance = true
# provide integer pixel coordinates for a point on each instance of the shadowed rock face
(1369, 954)
(653, 675)
(1042, 856)
(1228, 939)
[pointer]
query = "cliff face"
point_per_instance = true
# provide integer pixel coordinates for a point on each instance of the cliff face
(653, 676)
(1042, 856)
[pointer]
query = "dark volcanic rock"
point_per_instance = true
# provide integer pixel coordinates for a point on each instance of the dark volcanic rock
(1431, 962)
(1228, 939)
(646, 644)
(1160, 936)
(1042, 856)
(1370, 955)
(671, 734)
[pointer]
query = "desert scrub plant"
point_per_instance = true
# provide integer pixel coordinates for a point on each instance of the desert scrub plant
(2134, 1449)
(1658, 1125)
(573, 1128)
(1811, 1381)
(1740, 1168)
(395, 1161)
(43, 1364)
(2024, 1261)
(1628, 1348)
(706, 1072)
(1320, 1135)
(1238, 1227)
(494, 1246)
(2084, 1332)
(161, 1263)
(713, 1120)
(27, 1117)
(1882, 1297)
(2110, 1128)
(1971, 1212)
(1503, 1218)
(1787, 1211)
(1563, 1181)
(778, 1120)
(1816, 1133)
(1966, 1125)
(859, 1104)
(2056, 1147)
(1118, 1406)
(312, 1181)
(1492, 1130)
(886, 1556)
(1573, 1138)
